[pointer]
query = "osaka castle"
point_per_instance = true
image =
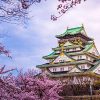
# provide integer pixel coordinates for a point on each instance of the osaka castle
(76, 53)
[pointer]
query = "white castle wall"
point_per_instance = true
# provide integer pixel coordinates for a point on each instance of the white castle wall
(84, 66)
(83, 57)
(58, 69)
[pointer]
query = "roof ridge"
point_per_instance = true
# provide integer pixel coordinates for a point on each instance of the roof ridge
(74, 28)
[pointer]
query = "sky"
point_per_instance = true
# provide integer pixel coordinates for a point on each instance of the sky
(30, 42)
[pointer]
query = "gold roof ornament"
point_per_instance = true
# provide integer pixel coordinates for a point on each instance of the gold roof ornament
(78, 42)
(62, 50)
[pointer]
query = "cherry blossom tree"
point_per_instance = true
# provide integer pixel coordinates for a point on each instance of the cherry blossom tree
(4, 51)
(3, 71)
(64, 6)
(17, 10)
(7, 53)
(29, 87)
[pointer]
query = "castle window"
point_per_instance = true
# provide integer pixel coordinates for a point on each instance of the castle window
(61, 60)
(91, 59)
(99, 71)
(80, 57)
(74, 49)
(54, 69)
(69, 67)
(86, 57)
(67, 50)
(62, 69)
(82, 67)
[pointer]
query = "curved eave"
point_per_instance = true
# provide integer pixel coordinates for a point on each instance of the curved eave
(66, 47)
(88, 47)
(95, 66)
(78, 74)
(50, 57)
(72, 54)
(66, 36)
(63, 35)
(59, 36)
(92, 55)
(84, 51)
(64, 64)
(71, 31)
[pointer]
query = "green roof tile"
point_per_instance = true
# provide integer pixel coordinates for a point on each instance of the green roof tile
(71, 31)
(50, 55)
(88, 46)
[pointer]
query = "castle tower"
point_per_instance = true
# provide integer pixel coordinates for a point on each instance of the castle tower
(76, 53)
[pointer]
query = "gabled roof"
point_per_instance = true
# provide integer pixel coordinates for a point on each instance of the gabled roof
(71, 31)
(64, 57)
(75, 69)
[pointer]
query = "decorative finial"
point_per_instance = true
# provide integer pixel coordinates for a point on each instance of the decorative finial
(82, 25)
(84, 29)
(67, 27)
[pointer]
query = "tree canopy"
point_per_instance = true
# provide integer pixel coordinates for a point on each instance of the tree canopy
(18, 9)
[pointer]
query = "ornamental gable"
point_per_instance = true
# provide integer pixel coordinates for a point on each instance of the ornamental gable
(62, 58)
(75, 70)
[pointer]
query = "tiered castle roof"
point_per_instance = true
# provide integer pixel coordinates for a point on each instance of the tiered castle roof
(75, 53)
